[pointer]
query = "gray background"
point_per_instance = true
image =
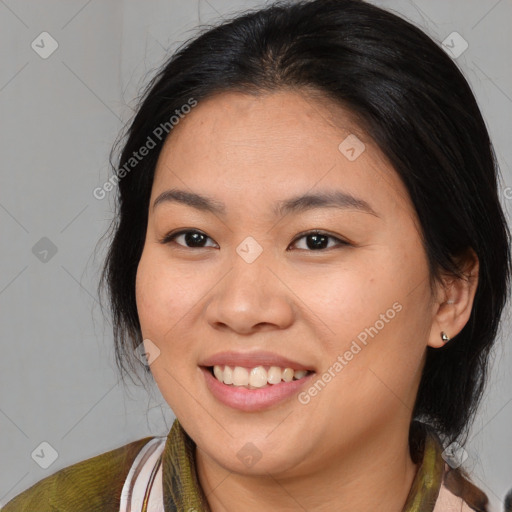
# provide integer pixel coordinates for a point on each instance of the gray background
(59, 118)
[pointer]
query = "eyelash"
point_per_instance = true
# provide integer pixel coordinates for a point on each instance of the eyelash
(170, 237)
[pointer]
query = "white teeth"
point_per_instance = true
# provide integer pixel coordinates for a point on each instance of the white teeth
(288, 375)
(240, 376)
(217, 371)
(274, 375)
(226, 375)
(257, 377)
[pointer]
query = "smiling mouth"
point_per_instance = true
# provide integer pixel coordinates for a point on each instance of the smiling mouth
(255, 378)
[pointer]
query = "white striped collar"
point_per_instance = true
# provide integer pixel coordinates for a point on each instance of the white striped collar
(144, 480)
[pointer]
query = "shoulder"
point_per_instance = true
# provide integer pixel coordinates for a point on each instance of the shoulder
(459, 494)
(449, 502)
(92, 484)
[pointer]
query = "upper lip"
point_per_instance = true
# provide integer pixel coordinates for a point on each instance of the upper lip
(252, 359)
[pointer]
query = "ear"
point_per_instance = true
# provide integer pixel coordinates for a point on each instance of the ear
(454, 301)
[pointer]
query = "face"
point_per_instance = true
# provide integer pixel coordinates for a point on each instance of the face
(335, 287)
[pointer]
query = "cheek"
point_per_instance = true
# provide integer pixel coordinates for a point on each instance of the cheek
(163, 298)
(148, 294)
(378, 309)
(350, 298)
(163, 295)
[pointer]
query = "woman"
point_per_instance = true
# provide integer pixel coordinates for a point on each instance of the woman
(310, 258)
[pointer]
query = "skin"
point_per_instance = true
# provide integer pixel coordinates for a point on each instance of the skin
(347, 449)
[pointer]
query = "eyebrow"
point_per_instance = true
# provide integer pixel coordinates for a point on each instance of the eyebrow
(308, 201)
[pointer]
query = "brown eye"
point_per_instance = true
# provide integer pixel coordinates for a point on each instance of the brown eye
(315, 240)
(191, 239)
(318, 241)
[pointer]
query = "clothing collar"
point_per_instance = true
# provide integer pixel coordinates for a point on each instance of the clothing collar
(183, 493)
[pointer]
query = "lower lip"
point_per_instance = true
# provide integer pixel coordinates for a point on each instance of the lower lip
(252, 399)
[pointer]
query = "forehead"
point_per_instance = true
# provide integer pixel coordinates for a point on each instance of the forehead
(274, 145)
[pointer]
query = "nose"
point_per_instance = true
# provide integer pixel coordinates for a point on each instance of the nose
(250, 298)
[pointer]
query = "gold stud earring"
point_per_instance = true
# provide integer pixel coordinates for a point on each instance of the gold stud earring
(444, 337)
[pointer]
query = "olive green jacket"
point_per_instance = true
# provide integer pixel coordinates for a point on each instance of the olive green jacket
(95, 484)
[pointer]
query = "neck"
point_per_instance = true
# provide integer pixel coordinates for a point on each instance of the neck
(376, 473)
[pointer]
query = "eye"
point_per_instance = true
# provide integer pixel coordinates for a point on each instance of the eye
(317, 241)
(192, 239)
